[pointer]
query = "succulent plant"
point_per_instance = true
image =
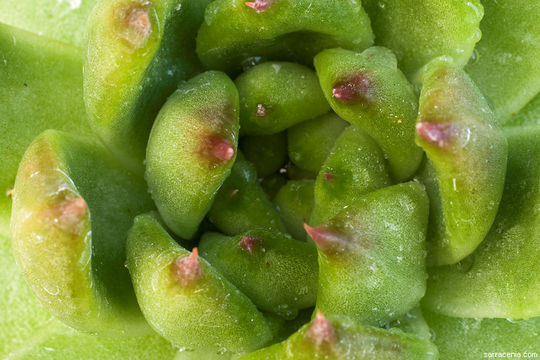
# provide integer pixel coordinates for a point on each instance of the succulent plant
(285, 30)
(478, 286)
(269, 179)
(72, 207)
(185, 299)
(420, 31)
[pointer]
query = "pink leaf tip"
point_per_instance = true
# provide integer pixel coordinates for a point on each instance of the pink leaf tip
(438, 134)
(188, 269)
(258, 5)
(325, 239)
(71, 214)
(222, 149)
(321, 330)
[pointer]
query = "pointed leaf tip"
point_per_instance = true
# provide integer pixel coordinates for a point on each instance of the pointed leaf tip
(321, 330)
(188, 268)
(324, 239)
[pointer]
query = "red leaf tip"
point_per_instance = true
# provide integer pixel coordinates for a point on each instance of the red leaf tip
(321, 330)
(329, 177)
(258, 5)
(188, 269)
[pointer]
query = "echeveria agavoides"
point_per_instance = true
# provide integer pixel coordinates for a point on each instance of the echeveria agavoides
(268, 153)
(354, 167)
(505, 62)
(294, 203)
(470, 338)
(29, 331)
(40, 89)
(309, 142)
(244, 163)
(437, 28)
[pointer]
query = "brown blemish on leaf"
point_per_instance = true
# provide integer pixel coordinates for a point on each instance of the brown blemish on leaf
(321, 332)
(259, 5)
(9, 193)
(132, 23)
(354, 88)
(249, 243)
(187, 269)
